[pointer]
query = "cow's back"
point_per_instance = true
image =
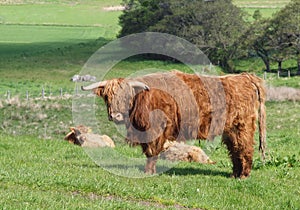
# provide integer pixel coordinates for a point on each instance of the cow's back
(222, 100)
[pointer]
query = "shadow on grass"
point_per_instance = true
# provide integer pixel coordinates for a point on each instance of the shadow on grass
(139, 168)
(196, 171)
(58, 49)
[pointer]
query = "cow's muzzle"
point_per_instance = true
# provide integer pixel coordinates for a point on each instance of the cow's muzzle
(116, 117)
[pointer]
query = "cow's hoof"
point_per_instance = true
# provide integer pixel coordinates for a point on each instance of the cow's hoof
(239, 177)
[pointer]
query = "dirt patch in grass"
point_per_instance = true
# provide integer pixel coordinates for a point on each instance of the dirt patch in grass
(283, 94)
(144, 203)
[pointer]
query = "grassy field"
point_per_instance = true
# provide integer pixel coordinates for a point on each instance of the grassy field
(38, 170)
(37, 173)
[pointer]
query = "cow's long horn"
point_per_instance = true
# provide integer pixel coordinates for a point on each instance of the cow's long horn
(94, 85)
(139, 84)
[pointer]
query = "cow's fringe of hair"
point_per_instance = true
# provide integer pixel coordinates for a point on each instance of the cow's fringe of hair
(111, 87)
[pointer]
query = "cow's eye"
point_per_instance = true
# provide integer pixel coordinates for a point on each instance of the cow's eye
(106, 99)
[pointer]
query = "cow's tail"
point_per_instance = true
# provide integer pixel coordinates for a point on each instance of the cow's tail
(262, 122)
(259, 84)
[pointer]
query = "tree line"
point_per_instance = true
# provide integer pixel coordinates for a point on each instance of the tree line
(220, 29)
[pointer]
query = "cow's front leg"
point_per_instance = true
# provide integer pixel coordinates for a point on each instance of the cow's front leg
(150, 167)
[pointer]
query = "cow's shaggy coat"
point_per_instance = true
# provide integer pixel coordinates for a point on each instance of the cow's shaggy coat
(179, 106)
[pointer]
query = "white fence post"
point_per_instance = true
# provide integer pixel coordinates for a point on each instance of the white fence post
(8, 95)
(43, 92)
(265, 75)
(76, 89)
(42, 95)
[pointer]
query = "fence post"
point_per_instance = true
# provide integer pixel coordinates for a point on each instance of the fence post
(61, 92)
(43, 92)
(76, 89)
(289, 73)
(27, 95)
(265, 75)
(278, 74)
(8, 95)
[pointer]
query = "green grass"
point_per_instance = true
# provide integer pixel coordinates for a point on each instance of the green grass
(49, 174)
(63, 2)
(265, 12)
(256, 65)
(33, 28)
(58, 14)
(283, 81)
(32, 39)
(267, 8)
(261, 3)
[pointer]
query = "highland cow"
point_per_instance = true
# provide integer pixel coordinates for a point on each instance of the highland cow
(176, 106)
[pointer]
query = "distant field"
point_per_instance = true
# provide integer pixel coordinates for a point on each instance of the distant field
(266, 7)
(29, 39)
(58, 14)
(41, 27)
(265, 12)
(66, 2)
(261, 3)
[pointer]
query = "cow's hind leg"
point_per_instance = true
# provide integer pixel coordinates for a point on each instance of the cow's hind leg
(150, 167)
(152, 150)
(240, 145)
(152, 157)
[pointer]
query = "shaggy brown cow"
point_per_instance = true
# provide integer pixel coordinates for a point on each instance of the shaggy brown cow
(179, 106)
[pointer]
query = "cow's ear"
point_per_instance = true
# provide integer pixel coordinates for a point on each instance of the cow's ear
(98, 91)
(139, 85)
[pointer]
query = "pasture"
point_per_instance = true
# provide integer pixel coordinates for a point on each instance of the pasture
(39, 170)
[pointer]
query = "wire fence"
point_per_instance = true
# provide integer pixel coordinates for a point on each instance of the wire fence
(41, 93)
(46, 92)
(279, 74)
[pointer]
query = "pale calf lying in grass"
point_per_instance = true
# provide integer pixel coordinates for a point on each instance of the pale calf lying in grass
(83, 136)
(178, 151)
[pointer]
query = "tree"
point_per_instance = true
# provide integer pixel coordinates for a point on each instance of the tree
(255, 39)
(284, 31)
(139, 15)
(276, 39)
(214, 26)
(287, 21)
(257, 15)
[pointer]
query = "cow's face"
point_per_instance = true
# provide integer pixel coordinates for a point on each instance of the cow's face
(118, 96)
